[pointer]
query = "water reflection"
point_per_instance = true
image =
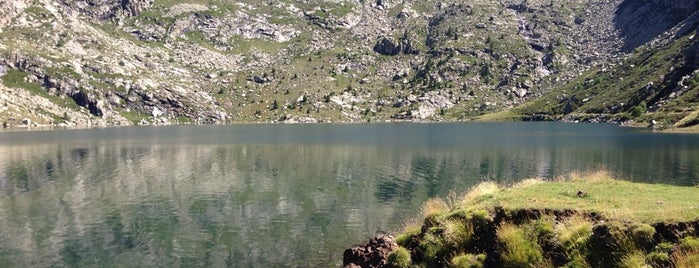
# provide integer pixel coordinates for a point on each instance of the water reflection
(153, 197)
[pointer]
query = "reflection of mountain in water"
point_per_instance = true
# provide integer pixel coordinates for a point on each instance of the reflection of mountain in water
(268, 205)
(191, 205)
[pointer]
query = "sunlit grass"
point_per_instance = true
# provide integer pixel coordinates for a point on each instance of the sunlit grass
(526, 183)
(434, 206)
(601, 175)
(468, 261)
(518, 247)
(598, 192)
(506, 115)
(633, 259)
(686, 259)
(481, 189)
(573, 233)
(399, 258)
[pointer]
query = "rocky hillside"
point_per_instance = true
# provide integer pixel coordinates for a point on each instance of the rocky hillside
(657, 84)
(108, 62)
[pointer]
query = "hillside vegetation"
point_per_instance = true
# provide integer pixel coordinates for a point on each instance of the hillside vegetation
(108, 62)
(587, 220)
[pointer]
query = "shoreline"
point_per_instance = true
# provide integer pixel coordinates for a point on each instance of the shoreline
(50, 127)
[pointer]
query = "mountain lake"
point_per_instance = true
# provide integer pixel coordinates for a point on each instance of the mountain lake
(279, 195)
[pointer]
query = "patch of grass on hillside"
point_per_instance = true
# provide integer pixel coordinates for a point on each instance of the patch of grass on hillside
(38, 11)
(337, 10)
(16, 79)
(507, 115)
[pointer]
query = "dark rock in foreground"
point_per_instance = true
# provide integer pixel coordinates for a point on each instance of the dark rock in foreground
(373, 254)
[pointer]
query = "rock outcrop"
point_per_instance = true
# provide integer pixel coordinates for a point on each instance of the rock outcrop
(388, 46)
(372, 255)
(102, 10)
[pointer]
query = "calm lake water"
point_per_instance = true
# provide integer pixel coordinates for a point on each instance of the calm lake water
(278, 195)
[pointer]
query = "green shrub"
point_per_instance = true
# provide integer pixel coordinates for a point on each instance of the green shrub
(518, 249)
(457, 233)
(609, 244)
(639, 109)
(544, 228)
(481, 215)
(633, 260)
(642, 235)
(658, 259)
(664, 247)
(405, 238)
(433, 248)
(468, 261)
(399, 258)
(573, 233)
(689, 244)
(577, 261)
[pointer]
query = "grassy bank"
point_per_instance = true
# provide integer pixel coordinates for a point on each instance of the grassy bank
(585, 220)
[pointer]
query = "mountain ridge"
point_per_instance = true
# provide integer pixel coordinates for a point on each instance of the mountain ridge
(146, 62)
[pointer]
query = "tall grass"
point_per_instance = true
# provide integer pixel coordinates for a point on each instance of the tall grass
(686, 259)
(457, 233)
(634, 259)
(481, 189)
(688, 255)
(573, 233)
(519, 249)
(434, 206)
(600, 175)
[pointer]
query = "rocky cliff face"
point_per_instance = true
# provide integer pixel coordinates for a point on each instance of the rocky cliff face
(106, 10)
(167, 62)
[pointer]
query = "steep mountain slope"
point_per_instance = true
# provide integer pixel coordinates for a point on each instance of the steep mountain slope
(657, 85)
(99, 62)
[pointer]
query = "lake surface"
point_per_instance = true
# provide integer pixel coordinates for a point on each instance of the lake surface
(278, 195)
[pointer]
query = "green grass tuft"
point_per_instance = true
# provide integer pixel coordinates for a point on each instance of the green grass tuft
(609, 244)
(404, 238)
(467, 261)
(544, 228)
(689, 244)
(519, 249)
(433, 248)
(642, 235)
(399, 258)
(659, 259)
(634, 259)
(457, 233)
